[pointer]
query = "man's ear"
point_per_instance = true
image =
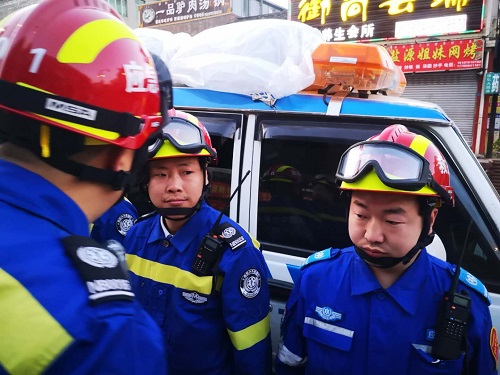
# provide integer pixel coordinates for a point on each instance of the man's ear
(207, 179)
(432, 219)
(121, 159)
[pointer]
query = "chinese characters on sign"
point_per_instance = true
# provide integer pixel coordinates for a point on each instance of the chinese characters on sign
(164, 12)
(492, 84)
(360, 20)
(434, 56)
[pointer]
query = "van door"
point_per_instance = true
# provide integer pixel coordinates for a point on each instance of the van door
(296, 209)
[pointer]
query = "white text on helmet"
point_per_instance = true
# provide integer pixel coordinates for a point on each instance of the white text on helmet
(70, 109)
(140, 78)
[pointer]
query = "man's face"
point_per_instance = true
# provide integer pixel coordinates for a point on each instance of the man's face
(175, 182)
(384, 224)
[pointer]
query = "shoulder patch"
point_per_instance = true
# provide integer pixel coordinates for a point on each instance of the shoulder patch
(473, 282)
(102, 268)
(321, 255)
(228, 233)
(145, 216)
(124, 222)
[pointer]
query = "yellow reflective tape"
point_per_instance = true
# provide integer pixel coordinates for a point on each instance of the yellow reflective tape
(283, 168)
(45, 141)
(32, 87)
(251, 335)
(109, 135)
(86, 129)
(93, 142)
(255, 243)
(87, 42)
(371, 182)
(169, 275)
(30, 337)
(420, 144)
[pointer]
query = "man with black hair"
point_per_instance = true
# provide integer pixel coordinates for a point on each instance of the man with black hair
(199, 274)
(385, 305)
(79, 105)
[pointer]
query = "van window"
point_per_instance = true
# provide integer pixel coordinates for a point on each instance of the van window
(221, 128)
(300, 209)
(300, 206)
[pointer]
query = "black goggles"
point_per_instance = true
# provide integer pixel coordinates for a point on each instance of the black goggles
(397, 166)
(185, 136)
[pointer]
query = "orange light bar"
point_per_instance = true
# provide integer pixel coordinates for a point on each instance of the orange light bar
(358, 66)
(398, 84)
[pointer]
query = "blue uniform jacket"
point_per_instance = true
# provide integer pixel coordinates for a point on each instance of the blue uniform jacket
(222, 331)
(115, 222)
(339, 320)
(47, 324)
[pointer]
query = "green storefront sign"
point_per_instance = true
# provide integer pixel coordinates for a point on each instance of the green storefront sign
(492, 83)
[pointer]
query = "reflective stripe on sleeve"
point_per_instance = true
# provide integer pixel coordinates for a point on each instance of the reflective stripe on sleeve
(169, 275)
(289, 358)
(30, 338)
(329, 327)
(251, 335)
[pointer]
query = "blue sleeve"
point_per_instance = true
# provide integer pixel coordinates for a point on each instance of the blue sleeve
(482, 340)
(114, 223)
(123, 341)
(292, 352)
(245, 303)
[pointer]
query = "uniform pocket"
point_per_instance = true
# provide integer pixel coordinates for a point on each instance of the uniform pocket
(328, 347)
(421, 362)
(328, 334)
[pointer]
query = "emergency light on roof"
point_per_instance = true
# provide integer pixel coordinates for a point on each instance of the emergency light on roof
(355, 66)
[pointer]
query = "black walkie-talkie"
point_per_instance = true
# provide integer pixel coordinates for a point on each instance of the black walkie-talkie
(211, 246)
(452, 324)
(452, 318)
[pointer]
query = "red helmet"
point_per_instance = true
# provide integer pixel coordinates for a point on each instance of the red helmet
(282, 173)
(396, 160)
(74, 64)
(184, 135)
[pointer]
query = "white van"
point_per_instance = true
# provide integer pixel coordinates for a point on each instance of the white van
(292, 147)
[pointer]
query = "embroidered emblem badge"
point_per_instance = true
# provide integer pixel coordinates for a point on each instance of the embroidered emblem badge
(124, 223)
(327, 313)
(194, 297)
(494, 345)
(250, 283)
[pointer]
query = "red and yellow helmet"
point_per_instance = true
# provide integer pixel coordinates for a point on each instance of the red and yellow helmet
(396, 161)
(75, 65)
(184, 135)
(282, 173)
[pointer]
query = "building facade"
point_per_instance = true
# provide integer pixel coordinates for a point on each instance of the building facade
(444, 47)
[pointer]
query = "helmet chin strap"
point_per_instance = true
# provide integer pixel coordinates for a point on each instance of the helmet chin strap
(388, 262)
(186, 212)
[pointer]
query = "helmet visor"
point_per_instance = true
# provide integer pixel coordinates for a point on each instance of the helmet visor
(396, 166)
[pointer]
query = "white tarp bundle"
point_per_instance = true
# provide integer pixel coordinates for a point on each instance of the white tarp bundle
(261, 56)
(161, 42)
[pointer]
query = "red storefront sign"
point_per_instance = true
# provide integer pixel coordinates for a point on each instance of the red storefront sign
(436, 56)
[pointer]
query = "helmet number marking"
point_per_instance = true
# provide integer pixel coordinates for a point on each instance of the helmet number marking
(37, 59)
(4, 46)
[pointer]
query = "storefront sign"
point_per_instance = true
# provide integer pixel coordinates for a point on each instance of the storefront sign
(492, 84)
(166, 12)
(435, 56)
(362, 20)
